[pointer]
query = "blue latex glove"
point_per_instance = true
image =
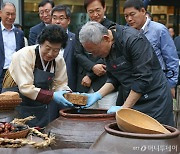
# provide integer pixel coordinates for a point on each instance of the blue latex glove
(92, 98)
(113, 109)
(59, 98)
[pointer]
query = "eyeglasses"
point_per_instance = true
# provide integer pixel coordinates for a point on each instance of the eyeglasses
(62, 18)
(10, 14)
(44, 11)
(52, 51)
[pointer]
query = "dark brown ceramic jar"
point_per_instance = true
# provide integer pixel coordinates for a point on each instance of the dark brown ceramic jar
(117, 141)
(74, 151)
(23, 150)
(78, 129)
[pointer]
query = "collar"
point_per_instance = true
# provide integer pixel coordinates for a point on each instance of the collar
(67, 31)
(46, 24)
(112, 54)
(4, 28)
(145, 26)
(103, 19)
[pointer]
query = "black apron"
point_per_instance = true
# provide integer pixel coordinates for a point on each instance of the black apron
(44, 113)
(157, 102)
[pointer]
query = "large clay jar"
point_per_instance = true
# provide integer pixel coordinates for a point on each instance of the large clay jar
(23, 150)
(74, 151)
(116, 141)
(78, 128)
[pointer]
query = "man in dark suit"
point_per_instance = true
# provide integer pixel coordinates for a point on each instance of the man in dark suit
(177, 44)
(45, 7)
(61, 15)
(92, 70)
(11, 38)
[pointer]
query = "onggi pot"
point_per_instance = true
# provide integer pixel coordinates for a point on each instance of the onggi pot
(78, 128)
(115, 140)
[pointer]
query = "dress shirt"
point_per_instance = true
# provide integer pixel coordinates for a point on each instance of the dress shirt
(9, 41)
(61, 52)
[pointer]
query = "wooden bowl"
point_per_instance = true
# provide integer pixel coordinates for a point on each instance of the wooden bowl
(17, 134)
(133, 121)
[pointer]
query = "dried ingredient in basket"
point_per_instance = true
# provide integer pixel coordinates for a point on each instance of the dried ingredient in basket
(6, 127)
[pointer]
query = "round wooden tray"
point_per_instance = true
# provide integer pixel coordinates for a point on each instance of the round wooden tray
(9, 104)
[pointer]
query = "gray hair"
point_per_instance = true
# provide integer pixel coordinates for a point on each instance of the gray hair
(7, 3)
(64, 8)
(92, 32)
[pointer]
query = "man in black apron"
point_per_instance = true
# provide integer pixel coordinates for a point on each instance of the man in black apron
(35, 72)
(131, 63)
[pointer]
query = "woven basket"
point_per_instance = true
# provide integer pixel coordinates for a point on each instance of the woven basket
(9, 104)
(15, 135)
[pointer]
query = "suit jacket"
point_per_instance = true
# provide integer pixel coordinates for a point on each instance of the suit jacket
(19, 35)
(34, 32)
(161, 41)
(86, 61)
(70, 60)
(177, 44)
